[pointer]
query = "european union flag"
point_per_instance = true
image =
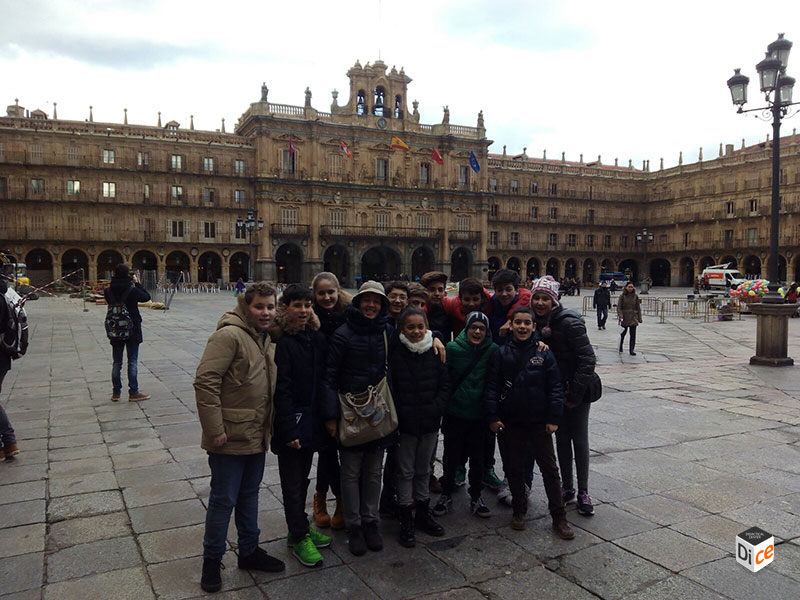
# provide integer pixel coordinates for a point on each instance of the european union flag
(473, 162)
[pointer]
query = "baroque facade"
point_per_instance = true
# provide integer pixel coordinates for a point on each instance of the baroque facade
(334, 194)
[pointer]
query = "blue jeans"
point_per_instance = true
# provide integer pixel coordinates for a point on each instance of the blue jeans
(133, 367)
(235, 480)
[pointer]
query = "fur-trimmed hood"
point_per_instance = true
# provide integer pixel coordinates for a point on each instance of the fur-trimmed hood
(282, 325)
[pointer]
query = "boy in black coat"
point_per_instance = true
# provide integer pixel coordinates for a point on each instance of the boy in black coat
(298, 430)
(524, 402)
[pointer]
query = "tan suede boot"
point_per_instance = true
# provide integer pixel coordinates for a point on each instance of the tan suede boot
(321, 517)
(337, 522)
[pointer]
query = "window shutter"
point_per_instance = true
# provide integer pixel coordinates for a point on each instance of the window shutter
(218, 230)
(186, 235)
(169, 229)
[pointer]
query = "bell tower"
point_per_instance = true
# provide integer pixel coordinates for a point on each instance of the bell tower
(375, 92)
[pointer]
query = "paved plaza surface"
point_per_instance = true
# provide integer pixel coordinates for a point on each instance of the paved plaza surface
(690, 446)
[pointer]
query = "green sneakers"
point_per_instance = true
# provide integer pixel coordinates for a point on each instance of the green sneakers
(491, 480)
(460, 476)
(306, 552)
(320, 539)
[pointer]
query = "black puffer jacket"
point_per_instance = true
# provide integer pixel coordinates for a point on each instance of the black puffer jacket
(535, 396)
(356, 360)
(420, 387)
(439, 322)
(573, 351)
(300, 358)
(115, 291)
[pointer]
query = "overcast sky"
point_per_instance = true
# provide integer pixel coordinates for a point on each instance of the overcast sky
(630, 79)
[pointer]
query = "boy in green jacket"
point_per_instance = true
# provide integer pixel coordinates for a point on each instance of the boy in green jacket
(464, 426)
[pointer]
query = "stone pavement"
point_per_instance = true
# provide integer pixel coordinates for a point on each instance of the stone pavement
(690, 446)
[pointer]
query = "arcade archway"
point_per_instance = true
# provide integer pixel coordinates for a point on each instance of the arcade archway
(40, 267)
(660, 272)
(705, 263)
(209, 267)
(532, 268)
(552, 268)
(381, 263)
(514, 264)
(589, 271)
(106, 262)
(336, 260)
(570, 269)
(752, 267)
(72, 260)
(240, 267)
(630, 266)
(460, 264)
(730, 261)
(607, 266)
(177, 263)
(493, 266)
(687, 272)
(289, 263)
(422, 261)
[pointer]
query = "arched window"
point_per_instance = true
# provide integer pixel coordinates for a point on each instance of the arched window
(361, 103)
(378, 107)
(398, 107)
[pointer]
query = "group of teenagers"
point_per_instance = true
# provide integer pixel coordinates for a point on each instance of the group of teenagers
(510, 368)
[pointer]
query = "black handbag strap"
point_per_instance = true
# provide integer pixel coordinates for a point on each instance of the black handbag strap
(471, 366)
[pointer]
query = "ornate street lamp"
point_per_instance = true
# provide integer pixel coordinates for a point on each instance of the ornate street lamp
(644, 237)
(773, 314)
(248, 226)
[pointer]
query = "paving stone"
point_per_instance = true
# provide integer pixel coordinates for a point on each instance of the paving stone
(128, 435)
(465, 593)
(84, 505)
(88, 529)
(179, 579)
(540, 541)
(125, 584)
(77, 452)
(660, 509)
(172, 544)
(20, 573)
(782, 524)
(135, 446)
(675, 588)
(75, 430)
(22, 513)
(23, 473)
(26, 595)
(80, 484)
(609, 489)
(82, 466)
(670, 549)
(482, 556)
(126, 424)
(713, 530)
(338, 583)
(611, 523)
(730, 579)
(91, 558)
(725, 493)
(536, 582)
(20, 492)
(152, 474)
(22, 540)
(415, 573)
(157, 493)
(610, 571)
(249, 593)
(76, 441)
(167, 516)
(141, 459)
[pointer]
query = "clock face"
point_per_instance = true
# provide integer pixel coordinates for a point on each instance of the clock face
(382, 123)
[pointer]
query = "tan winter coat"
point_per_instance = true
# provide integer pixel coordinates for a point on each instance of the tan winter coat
(234, 386)
(629, 309)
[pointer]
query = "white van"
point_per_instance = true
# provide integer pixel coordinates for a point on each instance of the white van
(721, 276)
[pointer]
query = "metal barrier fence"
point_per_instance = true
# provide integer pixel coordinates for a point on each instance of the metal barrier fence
(650, 305)
(694, 308)
(707, 309)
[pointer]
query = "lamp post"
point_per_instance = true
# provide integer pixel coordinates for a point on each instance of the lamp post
(248, 226)
(773, 330)
(644, 237)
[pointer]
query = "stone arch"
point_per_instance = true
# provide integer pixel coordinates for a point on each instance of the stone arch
(176, 264)
(730, 260)
(40, 266)
(589, 271)
(239, 266)
(705, 262)
(632, 265)
(514, 264)
(107, 260)
(553, 268)
(533, 268)
(460, 264)
(72, 260)
(423, 260)
(571, 268)
(493, 266)
(796, 276)
(289, 263)
(382, 262)
(660, 272)
(209, 267)
(751, 267)
(686, 270)
(607, 266)
(336, 260)
(782, 270)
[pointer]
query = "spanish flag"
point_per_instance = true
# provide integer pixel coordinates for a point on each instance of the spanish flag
(398, 143)
(437, 158)
(345, 149)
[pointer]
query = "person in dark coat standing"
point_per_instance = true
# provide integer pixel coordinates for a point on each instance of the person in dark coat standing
(602, 302)
(564, 331)
(124, 282)
(436, 284)
(629, 313)
(524, 402)
(420, 385)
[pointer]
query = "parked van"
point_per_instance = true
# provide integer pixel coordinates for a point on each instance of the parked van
(722, 276)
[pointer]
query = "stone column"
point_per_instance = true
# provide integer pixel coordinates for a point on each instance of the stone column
(226, 270)
(193, 268)
(772, 334)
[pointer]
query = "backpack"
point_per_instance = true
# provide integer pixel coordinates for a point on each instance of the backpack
(14, 340)
(119, 324)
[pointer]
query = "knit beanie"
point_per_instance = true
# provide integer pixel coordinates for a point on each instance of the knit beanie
(476, 316)
(546, 285)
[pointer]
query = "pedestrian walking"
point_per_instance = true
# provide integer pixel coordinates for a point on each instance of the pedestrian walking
(234, 387)
(524, 403)
(125, 291)
(239, 288)
(629, 314)
(601, 303)
(565, 333)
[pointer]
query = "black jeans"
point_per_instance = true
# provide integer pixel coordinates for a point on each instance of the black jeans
(464, 440)
(519, 439)
(294, 467)
(573, 433)
(502, 443)
(328, 471)
(602, 316)
(622, 337)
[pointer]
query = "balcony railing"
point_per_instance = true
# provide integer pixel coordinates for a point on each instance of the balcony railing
(362, 232)
(465, 236)
(98, 233)
(286, 230)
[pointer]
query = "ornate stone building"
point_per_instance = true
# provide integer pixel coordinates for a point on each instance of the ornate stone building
(334, 194)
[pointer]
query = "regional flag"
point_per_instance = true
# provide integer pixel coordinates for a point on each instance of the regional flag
(345, 149)
(291, 145)
(437, 158)
(473, 162)
(398, 143)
